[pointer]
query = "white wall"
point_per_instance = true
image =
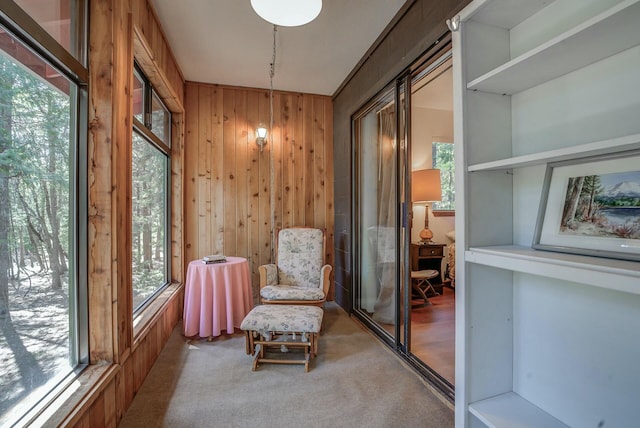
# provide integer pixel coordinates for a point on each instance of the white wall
(428, 125)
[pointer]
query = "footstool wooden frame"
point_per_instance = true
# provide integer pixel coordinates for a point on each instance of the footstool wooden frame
(267, 326)
(418, 280)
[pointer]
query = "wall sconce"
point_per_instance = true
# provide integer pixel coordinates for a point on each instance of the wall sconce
(261, 136)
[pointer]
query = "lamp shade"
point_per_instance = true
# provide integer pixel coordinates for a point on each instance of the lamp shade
(425, 185)
(261, 131)
(287, 13)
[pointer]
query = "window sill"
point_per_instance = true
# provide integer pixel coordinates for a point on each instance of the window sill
(74, 397)
(444, 213)
(76, 393)
(146, 318)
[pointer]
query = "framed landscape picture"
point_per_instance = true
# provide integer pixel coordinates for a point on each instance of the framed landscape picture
(592, 206)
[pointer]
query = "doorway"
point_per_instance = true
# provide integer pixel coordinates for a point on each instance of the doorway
(407, 127)
(433, 322)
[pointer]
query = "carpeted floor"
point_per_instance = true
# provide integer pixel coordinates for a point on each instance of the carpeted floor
(354, 382)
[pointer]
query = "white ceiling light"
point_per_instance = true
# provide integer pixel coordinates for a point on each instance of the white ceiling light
(287, 13)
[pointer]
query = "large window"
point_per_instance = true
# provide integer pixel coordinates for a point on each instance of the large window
(42, 311)
(62, 19)
(150, 190)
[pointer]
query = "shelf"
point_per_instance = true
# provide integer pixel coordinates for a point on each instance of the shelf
(504, 13)
(614, 145)
(612, 274)
(532, 321)
(511, 410)
(608, 33)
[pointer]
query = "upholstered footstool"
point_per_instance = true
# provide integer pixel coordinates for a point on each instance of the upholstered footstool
(280, 328)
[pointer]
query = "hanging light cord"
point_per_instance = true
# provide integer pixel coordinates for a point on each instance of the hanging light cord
(272, 193)
(272, 72)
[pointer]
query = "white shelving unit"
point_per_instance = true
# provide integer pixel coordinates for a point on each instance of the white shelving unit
(543, 339)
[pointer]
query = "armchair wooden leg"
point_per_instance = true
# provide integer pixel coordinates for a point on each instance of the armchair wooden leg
(248, 342)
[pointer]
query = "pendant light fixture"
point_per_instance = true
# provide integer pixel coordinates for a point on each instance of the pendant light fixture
(261, 130)
(287, 13)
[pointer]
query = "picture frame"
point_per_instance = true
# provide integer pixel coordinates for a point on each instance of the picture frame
(591, 206)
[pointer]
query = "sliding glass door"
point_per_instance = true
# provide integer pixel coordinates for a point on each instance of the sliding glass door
(379, 164)
(394, 134)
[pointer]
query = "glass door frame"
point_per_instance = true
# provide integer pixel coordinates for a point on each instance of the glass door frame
(421, 69)
(401, 87)
(403, 137)
(386, 95)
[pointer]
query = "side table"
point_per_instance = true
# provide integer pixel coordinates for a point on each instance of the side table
(217, 297)
(428, 256)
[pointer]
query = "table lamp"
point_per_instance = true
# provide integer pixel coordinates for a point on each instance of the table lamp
(425, 188)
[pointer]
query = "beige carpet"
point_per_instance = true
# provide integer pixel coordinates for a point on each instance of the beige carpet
(354, 382)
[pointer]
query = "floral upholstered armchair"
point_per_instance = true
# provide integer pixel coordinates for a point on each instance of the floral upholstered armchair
(299, 275)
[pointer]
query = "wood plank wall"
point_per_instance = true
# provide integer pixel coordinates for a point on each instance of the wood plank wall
(121, 355)
(161, 67)
(235, 194)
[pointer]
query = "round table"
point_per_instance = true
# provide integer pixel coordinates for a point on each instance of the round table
(217, 297)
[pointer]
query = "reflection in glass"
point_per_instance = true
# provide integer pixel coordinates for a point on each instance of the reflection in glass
(377, 198)
(160, 119)
(37, 285)
(62, 19)
(138, 96)
(148, 204)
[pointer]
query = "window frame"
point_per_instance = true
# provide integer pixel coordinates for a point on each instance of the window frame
(21, 26)
(145, 131)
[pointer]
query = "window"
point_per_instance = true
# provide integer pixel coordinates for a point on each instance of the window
(150, 190)
(43, 315)
(62, 19)
(442, 156)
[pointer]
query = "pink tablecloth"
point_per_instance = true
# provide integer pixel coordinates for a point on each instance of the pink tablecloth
(217, 297)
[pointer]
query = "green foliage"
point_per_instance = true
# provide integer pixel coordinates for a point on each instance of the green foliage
(148, 186)
(619, 201)
(444, 160)
(35, 119)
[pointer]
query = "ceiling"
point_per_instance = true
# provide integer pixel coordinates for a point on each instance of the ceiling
(435, 90)
(225, 42)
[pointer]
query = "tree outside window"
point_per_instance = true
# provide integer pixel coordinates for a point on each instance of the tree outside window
(38, 285)
(150, 190)
(443, 159)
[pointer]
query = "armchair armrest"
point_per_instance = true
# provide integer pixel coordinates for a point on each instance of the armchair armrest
(268, 275)
(325, 273)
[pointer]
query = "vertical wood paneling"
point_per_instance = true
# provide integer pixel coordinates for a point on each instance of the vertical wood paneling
(319, 194)
(109, 180)
(297, 149)
(97, 412)
(253, 185)
(177, 197)
(288, 136)
(264, 178)
(99, 222)
(110, 404)
(121, 176)
(85, 422)
(229, 170)
(191, 174)
(241, 177)
(276, 153)
(328, 177)
(255, 192)
(307, 144)
(147, 26)
(218, 171)
(204, 170)
(118, 29)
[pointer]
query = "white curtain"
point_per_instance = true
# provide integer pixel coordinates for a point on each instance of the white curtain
(385, 236)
